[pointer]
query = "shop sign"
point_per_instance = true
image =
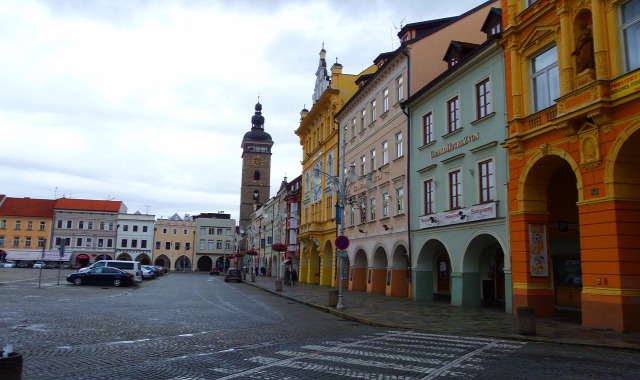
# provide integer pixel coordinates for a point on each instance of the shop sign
(463, 215)
(538, 263)
(455, 145)
(624, 86)
(33, 255)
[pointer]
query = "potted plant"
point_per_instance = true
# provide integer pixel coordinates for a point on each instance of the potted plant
(279, 247)
(252, 252)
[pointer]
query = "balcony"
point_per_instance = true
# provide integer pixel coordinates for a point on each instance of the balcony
(541, 119)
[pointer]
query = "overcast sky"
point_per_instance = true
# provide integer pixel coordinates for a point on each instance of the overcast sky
(147, 101)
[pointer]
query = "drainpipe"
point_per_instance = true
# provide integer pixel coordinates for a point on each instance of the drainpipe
(407, 113)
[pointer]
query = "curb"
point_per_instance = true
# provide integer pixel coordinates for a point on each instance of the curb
(368, 322)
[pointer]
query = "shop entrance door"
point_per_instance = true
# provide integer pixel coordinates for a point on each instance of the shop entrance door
(444, 278)
(568, 281)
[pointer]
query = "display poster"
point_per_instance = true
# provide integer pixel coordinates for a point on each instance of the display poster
(463, 215)
(538, 262)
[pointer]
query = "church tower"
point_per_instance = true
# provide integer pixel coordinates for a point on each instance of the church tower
(256, 169)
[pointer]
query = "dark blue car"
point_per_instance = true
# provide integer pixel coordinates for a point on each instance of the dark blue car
(101, 275)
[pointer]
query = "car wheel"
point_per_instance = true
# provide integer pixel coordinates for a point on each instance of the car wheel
(117, 282)
(77, 281)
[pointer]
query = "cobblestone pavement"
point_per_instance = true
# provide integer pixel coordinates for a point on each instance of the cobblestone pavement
(195, 326)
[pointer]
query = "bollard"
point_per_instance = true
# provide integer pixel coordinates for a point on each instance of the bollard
(333, 298)
(278, 285)
(11, 366)
(526, 321)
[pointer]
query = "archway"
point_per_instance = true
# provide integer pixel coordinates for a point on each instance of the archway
(82, 260)
(183, 263)
(303, 269)
(432, 274)
(358, 273)
(222, 263)
(327, 264)
(205, 264)
(103, 257)
(378, 277)
(397, 285)
(124, 257)
(162, 261)
(143, 259)
(482, 281)
(550, 193)
(313, 276)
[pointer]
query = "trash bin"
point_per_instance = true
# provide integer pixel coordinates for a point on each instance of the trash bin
(11, 366)
(526, 321)
(278, 285)
(333, 298)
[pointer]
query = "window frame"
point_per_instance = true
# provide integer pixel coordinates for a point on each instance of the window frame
(624, 27)
(453, 115)
(400, 201)
(429, 192)
(399, 89)
(490, 178)
(427, 129)
(385, 152)
(454, 189)
(372, 160)
(543, 73)
(385, 100)
(373, 111)
(399, 145)
(487, 107)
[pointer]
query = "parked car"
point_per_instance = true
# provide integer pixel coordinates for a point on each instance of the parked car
(161, 270)
(151, 270)
(9, 265)
(52, 266)
(38, 265)
(101, 275)
(215, 271)
(25, 264)
(147, 274)
(133, 267)
(233, 274)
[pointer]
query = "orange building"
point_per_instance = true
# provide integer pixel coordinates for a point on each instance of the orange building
(25, 224)
(572, 75)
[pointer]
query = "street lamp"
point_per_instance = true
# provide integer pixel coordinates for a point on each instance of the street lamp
(341, 189)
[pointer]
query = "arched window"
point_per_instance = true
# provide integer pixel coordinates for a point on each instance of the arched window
(256, 175)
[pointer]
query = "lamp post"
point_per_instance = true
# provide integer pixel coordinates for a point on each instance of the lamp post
(341, 189)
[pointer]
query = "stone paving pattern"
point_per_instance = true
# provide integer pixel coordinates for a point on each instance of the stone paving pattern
(400, 312)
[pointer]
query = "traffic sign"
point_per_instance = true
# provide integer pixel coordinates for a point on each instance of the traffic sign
(342, 242)
(341, 253)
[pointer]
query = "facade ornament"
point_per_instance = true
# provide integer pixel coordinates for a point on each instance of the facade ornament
(544, 149)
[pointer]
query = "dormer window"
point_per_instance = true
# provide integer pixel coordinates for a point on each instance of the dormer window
(453, 61)
(493, 23)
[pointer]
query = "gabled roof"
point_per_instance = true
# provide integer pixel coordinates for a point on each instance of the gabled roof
(42, 208)
(494, 16)
(88, 205)
(460, 49)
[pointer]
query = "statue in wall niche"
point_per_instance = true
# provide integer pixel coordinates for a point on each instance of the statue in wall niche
(584, 48)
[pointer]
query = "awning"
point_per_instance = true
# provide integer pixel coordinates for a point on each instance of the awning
(34, 255)
(83, 257)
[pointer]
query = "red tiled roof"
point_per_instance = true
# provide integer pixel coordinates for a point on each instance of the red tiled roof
(28, 207)
(88, 204)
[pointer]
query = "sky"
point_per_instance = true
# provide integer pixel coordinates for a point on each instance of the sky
(147, 101)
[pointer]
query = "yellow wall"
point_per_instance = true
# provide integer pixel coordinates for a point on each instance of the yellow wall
(34, 233)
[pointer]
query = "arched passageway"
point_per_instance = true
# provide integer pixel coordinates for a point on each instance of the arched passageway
(358, 272)
(378, 276)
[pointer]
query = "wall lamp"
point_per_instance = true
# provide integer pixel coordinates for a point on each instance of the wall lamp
(362, 231)
(386, 228)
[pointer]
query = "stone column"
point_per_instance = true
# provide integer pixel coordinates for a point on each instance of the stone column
(599, 40)
(564, 52)
(516, 84)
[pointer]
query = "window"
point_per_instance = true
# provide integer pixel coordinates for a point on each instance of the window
(184, 232)
(363, 160)
(427, 128)
(428, 196)
(69, 224)
(353, 128)
(18, 224)
(210, 244)
(1, 241)
(385, 153)
(487, 189)
(373, 110)
(59, 225)
(109, 243)
(363, 119)
(219, 231)
(372, 208)
(219, 244)
(631, 33)
(41, 242)
(483, 99)
(400, 201)
(176, 245)
(90, 225)
(212, 231)
(256, 175)
(145, 228)
(79, 242)
(385, 100)
(203, 231)
(29, 225)
(43, 225)
(187, 246)
(352, 215)
(167, 245)
(455, 189)
(497, 28)
(227, 245)
(143, 244)
(135, 228)
(545, 79)
(158, 245)
(372, 161)
(88, 242)
(399, 145)
(201, 243)
(399, 89)
(16, 241)
(453, 112)
(3, 224)
(101, 226)
(100, 243)
(27, 242)
(123, 243)
(125, 227)
(110, 226)
(228, 230)
(385, 205)
(175, 231)
(134, 243)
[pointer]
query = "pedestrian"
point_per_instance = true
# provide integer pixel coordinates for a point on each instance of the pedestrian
(263, 270)
(287, 277)
(294, 276)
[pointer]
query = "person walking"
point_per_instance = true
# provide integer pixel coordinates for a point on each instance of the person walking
(294, 276)
(287, 277)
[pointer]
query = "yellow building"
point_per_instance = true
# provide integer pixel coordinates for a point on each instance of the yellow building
(318, 135)
(173, 243)
(25, 224)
